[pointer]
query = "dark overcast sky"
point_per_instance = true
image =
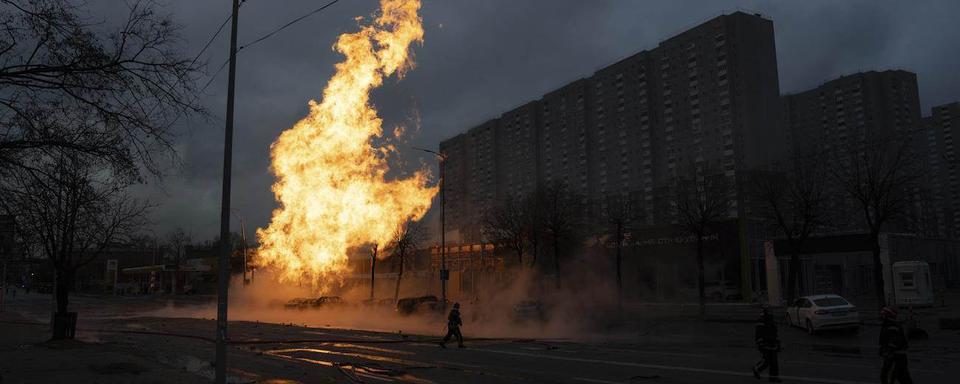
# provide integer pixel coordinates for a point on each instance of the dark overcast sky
(481, 57)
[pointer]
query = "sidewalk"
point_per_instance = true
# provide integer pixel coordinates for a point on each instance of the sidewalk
(27, 356)
(134, 350)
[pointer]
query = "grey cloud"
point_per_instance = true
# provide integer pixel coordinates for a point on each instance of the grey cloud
(480, 58)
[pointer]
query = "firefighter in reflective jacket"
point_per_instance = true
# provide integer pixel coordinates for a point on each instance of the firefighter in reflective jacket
(893, 349)
(765, 335)
(453, 326)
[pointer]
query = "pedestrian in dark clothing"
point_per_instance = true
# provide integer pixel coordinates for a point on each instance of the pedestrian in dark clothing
(765, 335)
(453, 326)
(893, 349)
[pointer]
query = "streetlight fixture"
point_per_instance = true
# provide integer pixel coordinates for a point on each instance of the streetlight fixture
(444, 273)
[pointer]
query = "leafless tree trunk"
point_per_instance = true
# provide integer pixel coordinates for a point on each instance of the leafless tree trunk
(177, 240)
(884, 178)
(699, 202)
(561, 212)
(795, 202)
(71, 211)
(533, 223)
(620, 213)
(405, 240)
(373, 268)
(506, 225)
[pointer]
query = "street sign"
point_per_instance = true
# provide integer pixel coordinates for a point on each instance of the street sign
(444, 274)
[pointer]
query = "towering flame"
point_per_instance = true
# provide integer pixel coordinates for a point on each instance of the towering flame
(331, 176)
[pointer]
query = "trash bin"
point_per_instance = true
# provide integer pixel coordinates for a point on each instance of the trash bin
(64, 325)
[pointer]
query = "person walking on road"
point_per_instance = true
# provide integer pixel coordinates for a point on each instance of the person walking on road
(765, 335)
(453, 326)
(893, 349)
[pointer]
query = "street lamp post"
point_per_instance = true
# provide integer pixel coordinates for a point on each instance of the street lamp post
(444, 274)
(243, 241)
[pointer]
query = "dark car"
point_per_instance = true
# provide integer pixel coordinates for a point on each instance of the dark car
(411, 305)
(529, 311)
(327, 301)
(298, 303)
(722, 290)
(378, 303)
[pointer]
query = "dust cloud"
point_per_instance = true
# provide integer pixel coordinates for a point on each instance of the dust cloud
(519, 304)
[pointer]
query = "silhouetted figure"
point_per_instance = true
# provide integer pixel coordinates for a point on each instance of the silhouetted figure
(453, 326)
(765, 335)
(893, 349)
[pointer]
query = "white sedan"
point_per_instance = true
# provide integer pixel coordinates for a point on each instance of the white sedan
(819, 312)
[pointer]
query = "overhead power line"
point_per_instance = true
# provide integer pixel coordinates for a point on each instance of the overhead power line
(212, 38)
(292, 22)
(264, 37)
(215, 34)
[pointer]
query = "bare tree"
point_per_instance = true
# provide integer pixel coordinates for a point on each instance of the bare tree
(533, 214)
(620, 214)
(699, 202)
(177, 241)
(561, 214)
(405, 241)
(71, 85)
(374, 249)
(71, 211)
(796, 206)
(883, 177)
(506, 225)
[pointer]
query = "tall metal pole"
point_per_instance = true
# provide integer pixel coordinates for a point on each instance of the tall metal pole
(3, 286)
(444, 274)
(223, 267)
(243, 241)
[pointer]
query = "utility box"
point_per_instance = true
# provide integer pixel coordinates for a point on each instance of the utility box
(912, 285)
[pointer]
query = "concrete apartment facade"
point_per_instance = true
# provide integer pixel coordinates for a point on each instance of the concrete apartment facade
(941, 127)
(705, 101)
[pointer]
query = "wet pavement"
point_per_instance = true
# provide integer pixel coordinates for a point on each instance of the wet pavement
(665, 351)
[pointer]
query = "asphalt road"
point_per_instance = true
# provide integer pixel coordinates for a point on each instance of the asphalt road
(666, 350)
(529, 361)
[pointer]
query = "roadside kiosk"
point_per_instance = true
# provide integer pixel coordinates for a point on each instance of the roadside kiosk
(912, 285)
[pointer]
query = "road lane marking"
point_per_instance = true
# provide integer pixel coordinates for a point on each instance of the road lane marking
(445, 362)
(597, 381)
(877, 366)
(677, 354)
(670, 367)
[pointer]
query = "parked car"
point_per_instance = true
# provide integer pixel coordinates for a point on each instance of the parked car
(45, 288)
(722, 291)
(298, 303)
(819, 312)
(411, 305)
(378, 303)
(327, 301)
(529, 311)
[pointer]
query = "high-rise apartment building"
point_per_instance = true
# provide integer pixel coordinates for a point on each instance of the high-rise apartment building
(853, 109)
(706, 100)
(941, 127)
(842, 115)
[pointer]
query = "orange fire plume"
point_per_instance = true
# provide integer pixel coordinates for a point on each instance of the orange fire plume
(331, 177)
